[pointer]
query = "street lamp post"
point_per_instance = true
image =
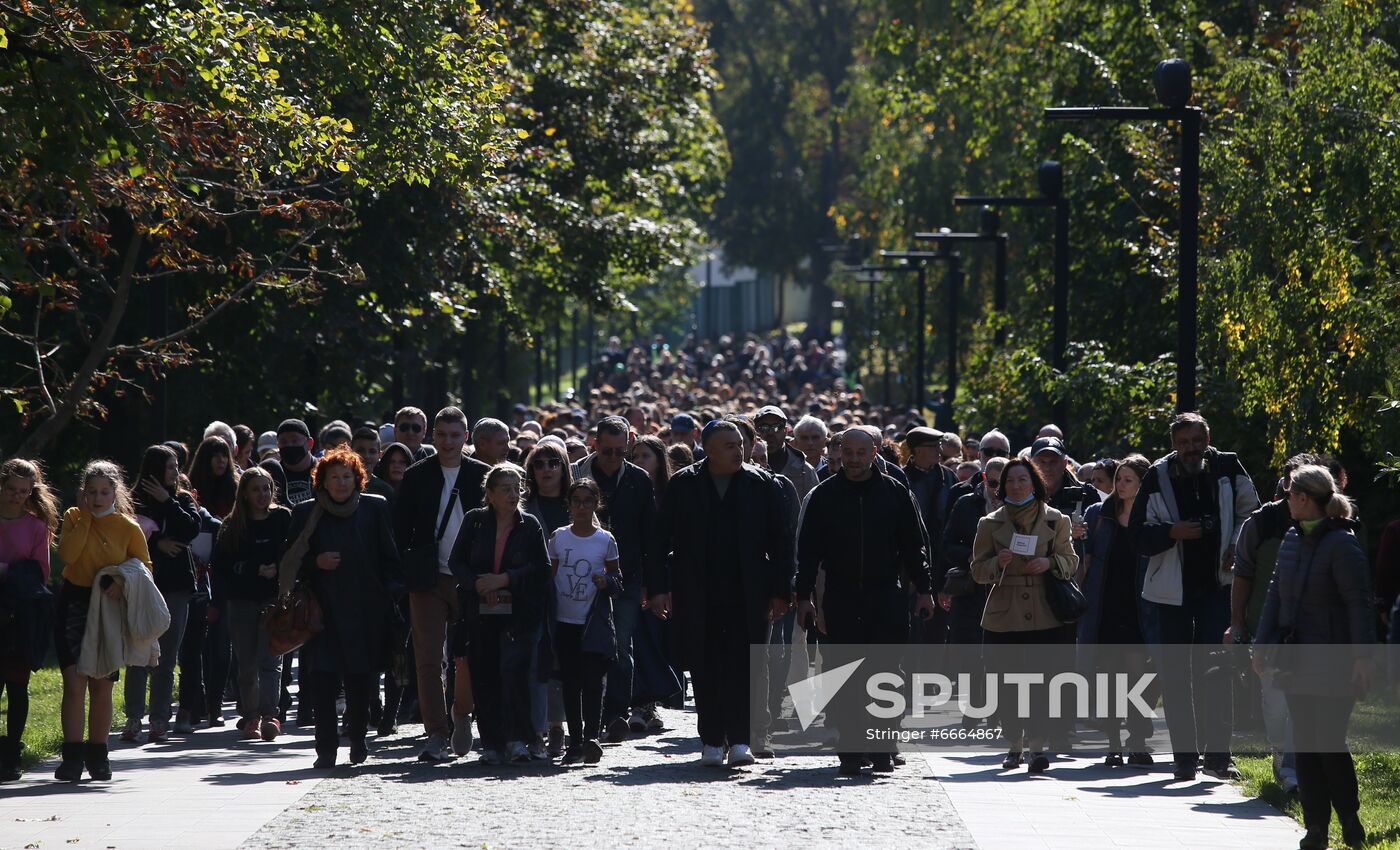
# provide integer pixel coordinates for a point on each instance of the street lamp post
(1172, 81)
(1051, 179)
(873, 276)
(954, 261)
(989, 232)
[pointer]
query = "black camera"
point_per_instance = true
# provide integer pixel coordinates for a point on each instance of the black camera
(1207, 522)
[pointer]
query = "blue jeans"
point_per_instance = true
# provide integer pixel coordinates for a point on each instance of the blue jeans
(1195, 671)
(162, 677)
(627, 610)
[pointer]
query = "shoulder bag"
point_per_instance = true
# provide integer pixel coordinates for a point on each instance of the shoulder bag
(420, 563)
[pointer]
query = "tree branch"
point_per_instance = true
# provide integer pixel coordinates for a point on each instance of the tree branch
(81, 384)
(150, 345)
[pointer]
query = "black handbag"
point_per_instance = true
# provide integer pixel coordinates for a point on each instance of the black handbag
(420, 563)
(958, 582)
(1066, 600)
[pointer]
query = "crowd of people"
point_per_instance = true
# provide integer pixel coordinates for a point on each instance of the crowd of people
(553, 580)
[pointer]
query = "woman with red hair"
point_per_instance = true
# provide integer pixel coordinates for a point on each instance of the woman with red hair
(342, 549)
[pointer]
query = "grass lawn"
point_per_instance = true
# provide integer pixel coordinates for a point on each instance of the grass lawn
(44, 732)
(1378, 775)
(1372, 735)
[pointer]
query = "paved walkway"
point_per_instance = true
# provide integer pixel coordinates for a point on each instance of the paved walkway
(210, 791)
(1081, 805)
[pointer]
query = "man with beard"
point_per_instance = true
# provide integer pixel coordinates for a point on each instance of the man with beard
(1185, 520)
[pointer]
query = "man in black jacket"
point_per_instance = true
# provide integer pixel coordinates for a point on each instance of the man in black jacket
(728, 565)
(864, 530)
(931, 483)
(629, 512)
(435, 494)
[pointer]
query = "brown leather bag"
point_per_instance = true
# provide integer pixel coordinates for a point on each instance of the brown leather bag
(292, 620)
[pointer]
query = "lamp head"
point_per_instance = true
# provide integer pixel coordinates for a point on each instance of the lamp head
(990, 222)
(1051, 178)
(855, 250)
(1172, 80)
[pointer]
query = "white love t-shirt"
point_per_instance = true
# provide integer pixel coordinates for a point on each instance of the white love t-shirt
(580, 558)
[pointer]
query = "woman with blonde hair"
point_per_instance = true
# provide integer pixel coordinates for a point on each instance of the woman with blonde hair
(28, 517)
(100, 531)
(1320, 594)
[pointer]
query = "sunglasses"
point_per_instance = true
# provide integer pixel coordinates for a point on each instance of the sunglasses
(996, 453)
(768, 428)
(547, 463)
(415, 427)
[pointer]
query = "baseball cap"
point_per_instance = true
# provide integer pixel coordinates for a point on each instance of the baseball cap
(770, 410)
(682, 422)
(1048, 444)
(267, 441)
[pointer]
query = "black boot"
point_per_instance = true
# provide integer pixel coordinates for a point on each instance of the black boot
(98, 767)
(10, 749)
(71, 768)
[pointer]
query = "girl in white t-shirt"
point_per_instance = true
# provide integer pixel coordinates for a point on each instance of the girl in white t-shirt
(586, 578)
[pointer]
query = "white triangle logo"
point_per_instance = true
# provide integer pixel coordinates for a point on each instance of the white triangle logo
(810, 696)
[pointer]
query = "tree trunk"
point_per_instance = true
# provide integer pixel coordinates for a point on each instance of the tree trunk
(81, 385)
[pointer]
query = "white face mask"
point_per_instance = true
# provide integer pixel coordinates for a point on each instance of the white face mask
(107, 511)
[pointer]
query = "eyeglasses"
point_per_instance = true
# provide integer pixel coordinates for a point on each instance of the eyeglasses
(547, 463)
(769, 428)
(415, 427)
(588, 502)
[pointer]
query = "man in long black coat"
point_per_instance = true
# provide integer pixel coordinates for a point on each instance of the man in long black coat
(726, 574)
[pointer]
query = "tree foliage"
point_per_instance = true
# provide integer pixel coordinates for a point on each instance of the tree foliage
(1298, 277)
(331, 206)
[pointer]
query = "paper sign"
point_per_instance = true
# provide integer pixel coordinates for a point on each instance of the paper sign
(1023, 544)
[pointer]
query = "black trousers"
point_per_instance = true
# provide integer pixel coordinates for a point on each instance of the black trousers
(876, 616)
(1002, 655)
(500, 670)
(1326, 772)
(721, 680)
(581, 674)
(325, 687)
(205, 657)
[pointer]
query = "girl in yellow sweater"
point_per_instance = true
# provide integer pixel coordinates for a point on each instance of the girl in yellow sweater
(99, 532)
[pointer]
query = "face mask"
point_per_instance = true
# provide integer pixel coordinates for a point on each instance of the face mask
(292, 454)
(107, 511)
(1022, 502)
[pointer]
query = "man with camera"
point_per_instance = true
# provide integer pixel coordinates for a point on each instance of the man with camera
(1185, 521)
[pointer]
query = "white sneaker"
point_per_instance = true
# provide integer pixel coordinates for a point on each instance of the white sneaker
(537, 751)
(436, 750)
(711, 756)
(740, 755)
(462, 735)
